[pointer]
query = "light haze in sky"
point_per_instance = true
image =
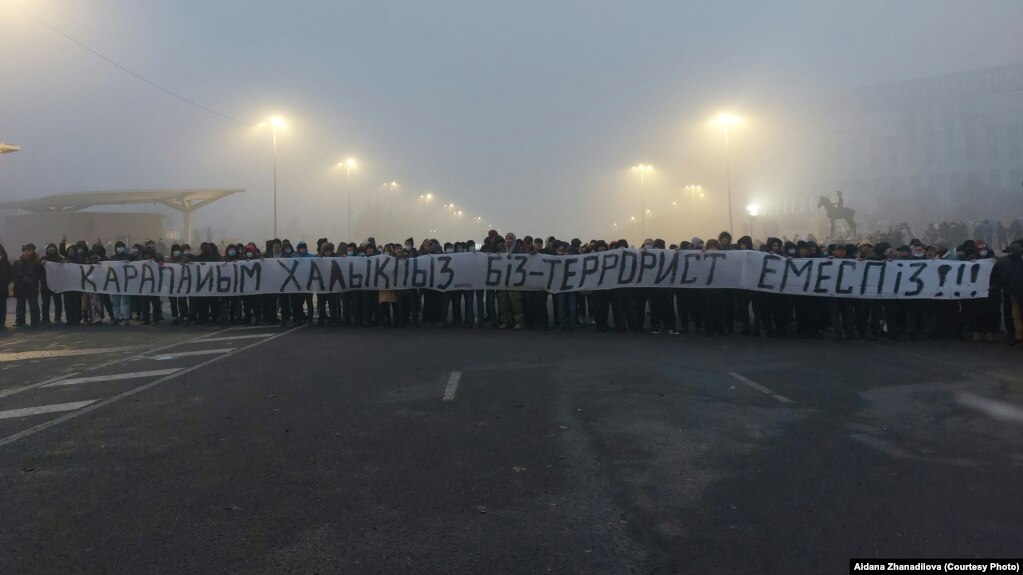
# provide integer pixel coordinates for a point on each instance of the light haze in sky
(526, 114)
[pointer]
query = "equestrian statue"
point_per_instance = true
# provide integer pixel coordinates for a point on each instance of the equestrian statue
(838, 211)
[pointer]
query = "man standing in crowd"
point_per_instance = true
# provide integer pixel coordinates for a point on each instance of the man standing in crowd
(28, 276)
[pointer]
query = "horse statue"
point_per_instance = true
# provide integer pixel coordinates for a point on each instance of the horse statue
(836, 213)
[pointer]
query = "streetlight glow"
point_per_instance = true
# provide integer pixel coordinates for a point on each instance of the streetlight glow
(643, 170)
(274, 123)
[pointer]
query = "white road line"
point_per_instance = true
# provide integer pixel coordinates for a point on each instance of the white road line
(759, 387)
(42, 354)
(449, 391)
(269, 326)
(89, 408)
(104, 365)
(54, 408)
(231, 338)
(999, 410)
(176, 355)
(114, 377)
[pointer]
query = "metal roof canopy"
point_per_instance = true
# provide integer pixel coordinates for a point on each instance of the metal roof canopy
(7, 148)
(184, 201)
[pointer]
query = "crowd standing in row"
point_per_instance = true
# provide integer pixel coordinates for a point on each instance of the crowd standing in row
(655, 310)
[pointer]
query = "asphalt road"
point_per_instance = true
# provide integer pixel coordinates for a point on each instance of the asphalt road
(349, 450)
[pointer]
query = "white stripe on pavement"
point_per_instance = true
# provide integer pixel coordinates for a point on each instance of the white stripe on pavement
(54, 408)
(90, 408)
(449, 391)
(231, 337)
(114, 377)
(999, 410)
(41, 354)
(176, 355)
(759, 387)
(268, 326)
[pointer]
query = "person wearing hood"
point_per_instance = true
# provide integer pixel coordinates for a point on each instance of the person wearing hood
(231, 306)
(302, 303)
(72, 299)
(690, 301)
(983, 312)
(51, 257)
(327, 303)
(252, 305)
(1013, 283)
(662, 304)
(179, 305)
(743, 299)
(6, 279)
(510, 301)
(121, 304)
(28, 277)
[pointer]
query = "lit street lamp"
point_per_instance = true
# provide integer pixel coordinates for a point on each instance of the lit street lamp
(426, 202)
(274, 123)
(753, 210)
(643, 170)
(726, 121)
(390, 209)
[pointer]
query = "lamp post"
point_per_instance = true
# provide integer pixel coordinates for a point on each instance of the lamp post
(451, 224)
(753, 210)
(391, 186)
(426, 202)
(643, 170)
(726, 121)
(274, 123)
(348, 165)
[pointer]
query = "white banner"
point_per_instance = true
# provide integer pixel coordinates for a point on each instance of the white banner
(748, 270)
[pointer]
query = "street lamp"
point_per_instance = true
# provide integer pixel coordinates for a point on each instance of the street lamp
(727, 121)
(753, 210)
(348, 165)
(274, 123)
(451, 220)
(390, 209)
(643, 170)
(426, 198)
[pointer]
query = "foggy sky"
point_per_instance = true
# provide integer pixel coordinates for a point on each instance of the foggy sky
(528, 114)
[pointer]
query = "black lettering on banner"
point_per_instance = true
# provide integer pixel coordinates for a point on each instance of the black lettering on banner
(493, 276)
(647, 261)
(820, 275)
(898, 278)
(254, 270)
(685, 268)
(841, 273)
(552, 262)
(336, 277)
(943, 270)
(166, 270)
(291, 275)
(918, 268)
(974, 275)
(314, 276)
(521, 270)
(867, 266)
(130, 272)
(629, 263)
(223, 281)
(662, 274)
(791, 266)
(418, 275)
(380, 272)
(445, 269)
(605, 267)
(590, 265)
(185, 283)
(354, 279)
(714, 257)
(147, 277)
(959, 277)
(111, 276)
(404, 277)
(433, 271)
(569, 262)
(765, 270)
(204, 278)
(394, 278)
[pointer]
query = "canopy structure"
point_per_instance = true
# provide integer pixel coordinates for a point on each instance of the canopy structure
(7, 148)
(184, 201)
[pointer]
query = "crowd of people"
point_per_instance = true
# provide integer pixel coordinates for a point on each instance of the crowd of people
(639, 310)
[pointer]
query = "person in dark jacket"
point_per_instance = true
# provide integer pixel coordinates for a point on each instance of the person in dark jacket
(28, 277)
(51, 257)
(6, 279)
(1014, 285)
(72, 299)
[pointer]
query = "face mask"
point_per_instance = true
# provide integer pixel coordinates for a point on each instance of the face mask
(287, 251)
(188, 252)
(232, 253)
(250, 255)
(176, 253)
(303, 252)
(350, 252)
(134, 252)
(790, 252)
(448, 250)
(408, 246)
(120, 250)
(983, 253)
(918, 254)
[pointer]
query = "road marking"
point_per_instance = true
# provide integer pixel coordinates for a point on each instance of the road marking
(23, 355)
(253, 327)
(90, 408)
(191, 353)
(759, 387)
(449, 391)
(999, 410)
(54, 408)
(104, 365)
(231, 338)
(114, 377)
